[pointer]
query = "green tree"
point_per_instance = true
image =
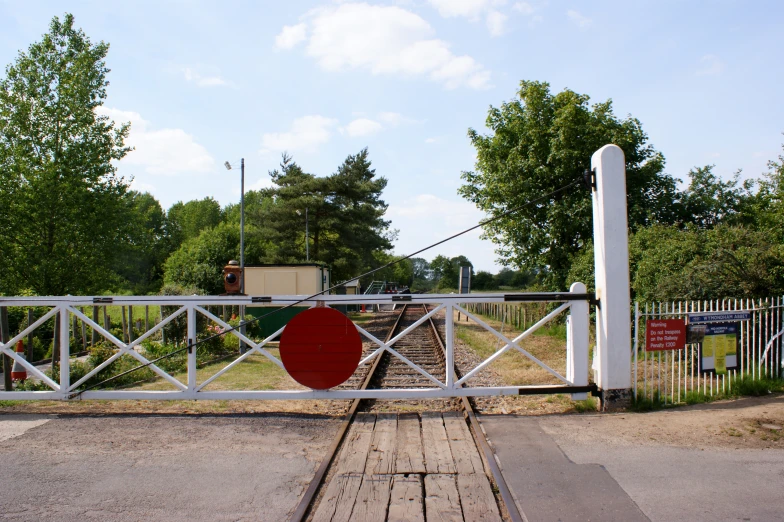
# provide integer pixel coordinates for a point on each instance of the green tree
(540, 142)
(139, 258)
(446, 271)
(483, 280)
(766, 209)
(709, 201)
(346, 228)
(669, 263)
(62, 201)
(401, 273)
(199, 261)
(185, 221)
(422, 274)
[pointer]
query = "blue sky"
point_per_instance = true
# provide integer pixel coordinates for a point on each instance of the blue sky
(203, 83)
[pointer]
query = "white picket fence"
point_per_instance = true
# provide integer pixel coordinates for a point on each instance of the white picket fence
(671, 375)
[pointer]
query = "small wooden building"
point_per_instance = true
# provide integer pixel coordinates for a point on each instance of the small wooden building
(271, 280)
(302, 279)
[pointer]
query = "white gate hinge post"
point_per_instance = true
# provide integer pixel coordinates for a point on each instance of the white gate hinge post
(611, 255)
(577, 342)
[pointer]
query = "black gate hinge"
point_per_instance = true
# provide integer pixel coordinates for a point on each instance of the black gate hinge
(589, 178)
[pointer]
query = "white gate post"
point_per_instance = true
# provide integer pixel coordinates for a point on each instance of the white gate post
(611, 255)
(577, 342)
(191, 311)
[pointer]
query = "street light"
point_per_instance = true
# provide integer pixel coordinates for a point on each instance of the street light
(242, 221)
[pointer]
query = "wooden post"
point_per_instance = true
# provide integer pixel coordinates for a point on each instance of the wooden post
(130, 324)
(5, 335)
(94, 338)
(84, 333)
(611, 252)
(163, 340)
(124, 325)
(56, 344)
(107, 323)
(30, 353)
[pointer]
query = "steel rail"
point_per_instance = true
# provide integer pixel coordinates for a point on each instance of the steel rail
(318, 478)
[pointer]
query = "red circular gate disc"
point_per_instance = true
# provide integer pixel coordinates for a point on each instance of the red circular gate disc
(320, 348)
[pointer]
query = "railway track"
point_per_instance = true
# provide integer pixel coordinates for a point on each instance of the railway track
(423, 346)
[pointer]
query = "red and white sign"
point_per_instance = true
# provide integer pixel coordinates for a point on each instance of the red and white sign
(665, 334)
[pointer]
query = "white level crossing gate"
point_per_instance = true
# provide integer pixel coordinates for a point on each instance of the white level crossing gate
(612, 355)
(575, 303)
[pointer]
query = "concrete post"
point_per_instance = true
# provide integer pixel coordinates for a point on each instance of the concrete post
(611, 254)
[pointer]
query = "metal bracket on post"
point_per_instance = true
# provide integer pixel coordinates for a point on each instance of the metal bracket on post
(589, 177)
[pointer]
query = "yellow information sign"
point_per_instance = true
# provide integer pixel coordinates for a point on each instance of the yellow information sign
(719, 348)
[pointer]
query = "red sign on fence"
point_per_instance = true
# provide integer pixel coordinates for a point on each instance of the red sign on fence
(665, 334)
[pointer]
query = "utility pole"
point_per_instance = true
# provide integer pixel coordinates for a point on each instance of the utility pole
(307, 242)
(242, 225)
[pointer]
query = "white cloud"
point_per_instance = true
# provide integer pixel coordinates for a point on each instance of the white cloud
(290, 36)
(160, 151)
(306, 134)
(392, 118)
(431, 140)
(496, 23)
(579, 19)
(467, 8)
(362, 127)
(473, 10)
(387, 40)
(710, 65)
(523, 8)
(202, 81)
(528, 10)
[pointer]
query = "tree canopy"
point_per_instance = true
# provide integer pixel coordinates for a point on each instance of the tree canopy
(345, 223)
(540, 142)
(62, 200)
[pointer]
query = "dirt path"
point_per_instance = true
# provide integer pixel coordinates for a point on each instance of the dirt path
(746, 423)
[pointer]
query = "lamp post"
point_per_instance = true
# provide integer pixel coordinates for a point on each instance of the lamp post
(242, 222)
(242, 245)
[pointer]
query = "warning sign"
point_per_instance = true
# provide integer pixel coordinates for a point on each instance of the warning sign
(665, 334)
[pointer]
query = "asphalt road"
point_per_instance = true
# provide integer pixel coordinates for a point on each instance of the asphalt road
(147, 467)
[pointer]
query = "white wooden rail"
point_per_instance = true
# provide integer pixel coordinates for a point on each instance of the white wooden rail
(576, 352)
